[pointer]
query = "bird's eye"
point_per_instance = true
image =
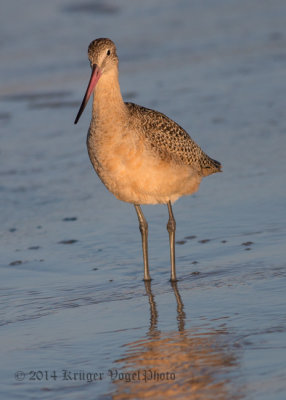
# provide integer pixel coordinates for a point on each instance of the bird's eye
(108, 52)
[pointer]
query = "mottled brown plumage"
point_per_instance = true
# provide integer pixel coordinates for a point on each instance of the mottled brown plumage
(170, 141)
(141, 156)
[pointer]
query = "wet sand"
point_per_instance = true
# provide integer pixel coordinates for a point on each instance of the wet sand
(77, 321)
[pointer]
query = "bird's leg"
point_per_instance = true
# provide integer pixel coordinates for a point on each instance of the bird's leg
(143, 226)
(171, 228)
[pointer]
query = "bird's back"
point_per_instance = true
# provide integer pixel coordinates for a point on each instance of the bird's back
(170, 141)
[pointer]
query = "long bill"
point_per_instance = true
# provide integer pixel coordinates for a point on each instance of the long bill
(95, 75)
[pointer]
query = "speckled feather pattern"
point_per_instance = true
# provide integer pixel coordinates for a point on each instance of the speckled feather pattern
(170, 141)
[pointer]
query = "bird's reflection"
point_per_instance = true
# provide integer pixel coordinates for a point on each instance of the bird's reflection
(181, 316)
(185, 363)
(153, 309)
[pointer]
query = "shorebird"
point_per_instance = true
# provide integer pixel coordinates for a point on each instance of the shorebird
(141, 155)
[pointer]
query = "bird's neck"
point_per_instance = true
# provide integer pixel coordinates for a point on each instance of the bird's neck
(107, 100)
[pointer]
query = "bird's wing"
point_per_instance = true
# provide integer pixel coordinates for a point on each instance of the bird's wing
(166, 138)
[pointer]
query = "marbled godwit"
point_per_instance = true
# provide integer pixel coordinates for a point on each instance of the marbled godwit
(141, 156)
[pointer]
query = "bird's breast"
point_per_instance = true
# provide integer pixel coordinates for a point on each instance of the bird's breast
(132, 172)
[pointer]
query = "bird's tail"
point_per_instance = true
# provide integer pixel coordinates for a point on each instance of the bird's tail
(211, 166)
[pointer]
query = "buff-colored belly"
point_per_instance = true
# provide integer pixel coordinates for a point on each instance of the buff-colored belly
(136, 175)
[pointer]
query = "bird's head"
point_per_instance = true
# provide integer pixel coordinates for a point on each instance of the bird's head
(103, 59)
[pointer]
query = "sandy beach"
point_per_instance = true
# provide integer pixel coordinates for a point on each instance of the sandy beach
(77, 321)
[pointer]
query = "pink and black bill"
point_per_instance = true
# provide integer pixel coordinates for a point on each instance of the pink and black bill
(95, 75)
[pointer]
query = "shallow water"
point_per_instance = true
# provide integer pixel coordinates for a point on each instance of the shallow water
(76, 319)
